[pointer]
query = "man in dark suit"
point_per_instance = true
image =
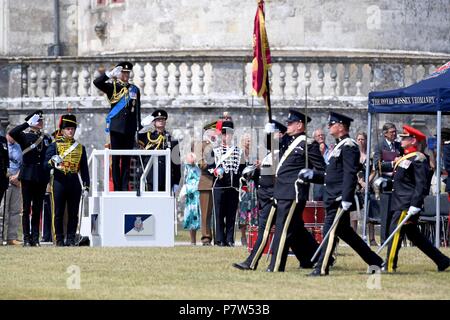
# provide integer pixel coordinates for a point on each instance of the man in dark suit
(33, 176)
(385, 155)
(290, 230)
(124, 119)
(409, 190)
(340, 180)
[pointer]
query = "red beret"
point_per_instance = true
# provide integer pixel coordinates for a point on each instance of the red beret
(412, 132)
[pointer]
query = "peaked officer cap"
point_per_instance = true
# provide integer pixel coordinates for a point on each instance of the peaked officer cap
(335, 117)
(39, 112)
(295, 115)
(126, 66)
(413, 133)
(159, 114)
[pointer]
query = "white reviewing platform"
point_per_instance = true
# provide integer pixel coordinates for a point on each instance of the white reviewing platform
(124, 219)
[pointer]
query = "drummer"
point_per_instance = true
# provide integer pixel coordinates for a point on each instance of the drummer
(160, 139)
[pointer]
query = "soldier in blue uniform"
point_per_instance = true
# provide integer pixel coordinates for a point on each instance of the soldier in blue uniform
(340, 181)
(290, 201)
(409, 190)
(33, 176)
(66, 157)
(124, 119)
(161, 139)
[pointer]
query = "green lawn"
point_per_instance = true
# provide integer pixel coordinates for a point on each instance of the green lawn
(187, 272)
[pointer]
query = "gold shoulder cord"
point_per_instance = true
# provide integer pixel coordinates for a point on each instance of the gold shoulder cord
(117, 96)
(156, 143)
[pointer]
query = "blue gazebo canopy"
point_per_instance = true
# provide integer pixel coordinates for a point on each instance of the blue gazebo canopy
(427, 96)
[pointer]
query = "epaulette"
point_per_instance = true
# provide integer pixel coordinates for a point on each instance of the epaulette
(350, 143)
(420, 157)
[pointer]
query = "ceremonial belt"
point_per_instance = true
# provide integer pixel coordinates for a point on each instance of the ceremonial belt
(225, 156)
(68, 151)
(118, 107)
(294, 144)
(34, 144)
(409, 155)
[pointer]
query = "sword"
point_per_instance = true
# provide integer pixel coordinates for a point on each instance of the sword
(394, 232)
(80, 215)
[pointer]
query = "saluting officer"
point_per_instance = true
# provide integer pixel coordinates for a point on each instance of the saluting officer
(266, 179)
(290, 229)
(66, 157)
(33, 176)
(409, 190)
(161, 139)
(340, 181)
(124, 119)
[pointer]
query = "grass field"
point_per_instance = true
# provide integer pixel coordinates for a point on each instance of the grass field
(187, 272)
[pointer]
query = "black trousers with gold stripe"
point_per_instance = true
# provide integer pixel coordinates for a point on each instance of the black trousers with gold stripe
(346, 233)
(290, 232)
(66, 190)
(411, 230)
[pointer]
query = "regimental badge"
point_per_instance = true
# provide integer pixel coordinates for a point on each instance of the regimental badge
(138, 224)
(46, 142)
(133, 95)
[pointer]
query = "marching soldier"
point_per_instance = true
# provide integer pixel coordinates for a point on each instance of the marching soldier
(340, 181)
(266, 180)
(66, 158)
(409, 191)
(290, 230)
(160, 139)
(124, 119)
(227, 170)
(33, 176)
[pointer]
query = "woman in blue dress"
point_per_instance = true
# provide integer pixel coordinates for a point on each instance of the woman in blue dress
(192, 211)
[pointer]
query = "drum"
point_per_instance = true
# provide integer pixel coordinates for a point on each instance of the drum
(314, 218)
(252, 235)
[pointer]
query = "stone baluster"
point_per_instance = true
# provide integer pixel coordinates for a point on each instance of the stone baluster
(177, 76)
(189, 78)
(141, 76)
(165, 79)
(359, 77)
(33, 82)
(86, 80)
(154, 75)
(43, 81)
(282, 79)
(75, 81)
(413, 73)
(333, 76)
(307, 78)
(64, 83)
(320, 76)
(96, 75)
(346, 83)
(25, 81)
(201, 78)
(54, 82)
(294, 79)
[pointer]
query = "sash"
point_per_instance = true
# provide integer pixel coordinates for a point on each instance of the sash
(338, 146)
(291, 147)
(34, 144)
(119, 106)
(68, 151)
(409, 155)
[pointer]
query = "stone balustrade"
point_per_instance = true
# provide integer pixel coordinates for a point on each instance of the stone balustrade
(213, 80)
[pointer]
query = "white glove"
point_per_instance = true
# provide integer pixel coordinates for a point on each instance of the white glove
(34, 120)
(85, 191)
(306, 174)
(114, 73)
(346, 205)
(269, 127)
(413, 210)
(57, 160)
